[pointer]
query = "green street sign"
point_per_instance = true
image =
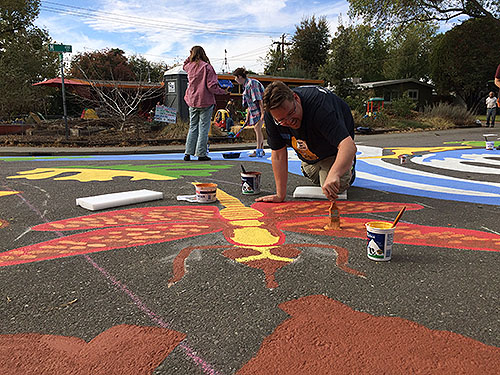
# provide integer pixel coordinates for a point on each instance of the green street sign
(59, 48)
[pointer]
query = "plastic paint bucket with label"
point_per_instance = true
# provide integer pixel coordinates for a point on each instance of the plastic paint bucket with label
(490, 145)
(250, 183)
(380, 238)
(206, 193)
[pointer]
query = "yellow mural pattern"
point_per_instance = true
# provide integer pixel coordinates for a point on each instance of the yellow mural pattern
(5, 193)
(248, 230)
(398, 151)
(88, 175)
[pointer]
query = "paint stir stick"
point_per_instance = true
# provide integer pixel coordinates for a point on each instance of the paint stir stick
(333, 212)
(398, 217)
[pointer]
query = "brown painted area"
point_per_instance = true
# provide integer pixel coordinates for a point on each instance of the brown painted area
(121, 350)
(324, 336)
(268, 266)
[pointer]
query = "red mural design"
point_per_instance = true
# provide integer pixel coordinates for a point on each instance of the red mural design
(143, 226)
(324, 336)
(123, 349)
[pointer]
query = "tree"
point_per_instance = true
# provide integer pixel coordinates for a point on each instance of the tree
(108, 64)
(145, 70)
(465, 59)
(355, 52)
(24, 58)
(310, 45)
(274, 62)
(17, 15)
(409, 49)
(393, 12)
(337, 70)
(123, 102)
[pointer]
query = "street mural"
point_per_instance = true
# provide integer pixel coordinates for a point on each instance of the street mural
(375, 169)
(155, 172)
(320, 333)
(255, 234)
(345, 341)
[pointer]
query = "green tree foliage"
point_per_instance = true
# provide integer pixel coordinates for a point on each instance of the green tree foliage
(310, 45)
(275, 63)
(369, 50)
(337, 70)
(465, 59)
(108, 64)
(355, 52)
(409, 49)
(24, 58)
(393, 12)
(146, 70)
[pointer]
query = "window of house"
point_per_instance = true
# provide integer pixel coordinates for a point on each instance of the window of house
(413, 94)
(389, 96)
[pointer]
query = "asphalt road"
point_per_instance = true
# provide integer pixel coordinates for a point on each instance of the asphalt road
(443, 275)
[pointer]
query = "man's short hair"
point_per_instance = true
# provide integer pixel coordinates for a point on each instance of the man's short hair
(275, 94)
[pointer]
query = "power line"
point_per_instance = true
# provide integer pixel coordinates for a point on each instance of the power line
(139, 21)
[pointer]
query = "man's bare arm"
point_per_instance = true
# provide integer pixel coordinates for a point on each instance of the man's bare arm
(279, 159)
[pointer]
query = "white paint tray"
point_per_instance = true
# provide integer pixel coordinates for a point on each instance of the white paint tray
(314, 192)
(100, 202)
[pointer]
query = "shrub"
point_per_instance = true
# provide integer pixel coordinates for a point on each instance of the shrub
(455, 114)
(403, 106)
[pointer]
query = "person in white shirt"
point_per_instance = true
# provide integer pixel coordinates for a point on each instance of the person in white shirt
(491, 109)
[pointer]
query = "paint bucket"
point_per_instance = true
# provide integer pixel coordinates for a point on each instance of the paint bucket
(490, 145)
(380, 237)
(403, 159)
(250, 183)
(206, 193)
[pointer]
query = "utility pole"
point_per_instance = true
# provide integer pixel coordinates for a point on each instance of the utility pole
(61, 48)
(225, 64)
(282, 44)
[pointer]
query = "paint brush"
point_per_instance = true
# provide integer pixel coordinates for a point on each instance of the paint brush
(243, 168)
(398, 217)
(333, 213)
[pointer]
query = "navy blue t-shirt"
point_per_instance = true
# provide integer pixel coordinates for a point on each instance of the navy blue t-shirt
(326, 121)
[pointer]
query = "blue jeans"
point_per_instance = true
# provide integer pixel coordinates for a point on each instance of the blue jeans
(491, 112)
(199, 125)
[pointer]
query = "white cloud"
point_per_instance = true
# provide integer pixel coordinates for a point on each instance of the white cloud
(166, 30)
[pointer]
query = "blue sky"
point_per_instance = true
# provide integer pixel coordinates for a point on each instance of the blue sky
(165, 30)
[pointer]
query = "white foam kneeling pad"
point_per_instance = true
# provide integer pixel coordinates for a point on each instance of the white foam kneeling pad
(100, 202)
(314, 192)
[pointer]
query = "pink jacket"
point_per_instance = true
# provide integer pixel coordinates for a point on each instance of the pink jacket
(203, 84)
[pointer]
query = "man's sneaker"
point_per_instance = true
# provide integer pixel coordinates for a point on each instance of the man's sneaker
(187, 157)
(204, 158)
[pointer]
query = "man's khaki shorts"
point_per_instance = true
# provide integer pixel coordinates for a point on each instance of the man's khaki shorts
(317, 173)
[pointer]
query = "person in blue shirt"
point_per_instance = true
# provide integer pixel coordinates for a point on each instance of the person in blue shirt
(319, 126)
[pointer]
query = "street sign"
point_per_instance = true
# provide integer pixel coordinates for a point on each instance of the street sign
(60, 48)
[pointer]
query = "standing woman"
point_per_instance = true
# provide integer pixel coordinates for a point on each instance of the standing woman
(252, 98)
(200, 97)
